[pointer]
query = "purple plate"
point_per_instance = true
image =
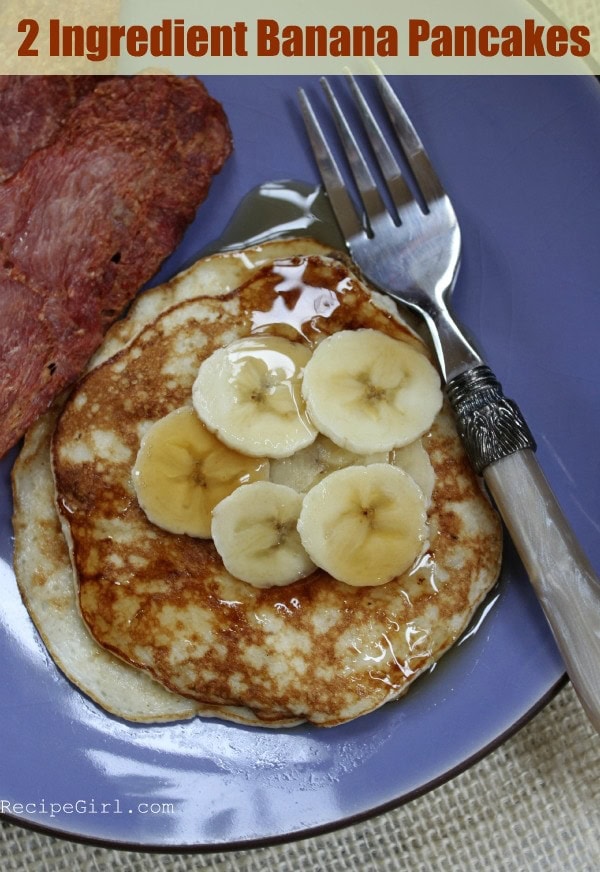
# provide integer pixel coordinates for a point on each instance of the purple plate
(519, 158)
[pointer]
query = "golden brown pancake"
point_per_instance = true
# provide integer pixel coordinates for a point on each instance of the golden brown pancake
(45, 576)
(41, 556)
(317, 649)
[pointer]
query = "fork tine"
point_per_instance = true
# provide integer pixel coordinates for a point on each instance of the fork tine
(367, 187)
(341, 203)
(399, 190)
(425, 175)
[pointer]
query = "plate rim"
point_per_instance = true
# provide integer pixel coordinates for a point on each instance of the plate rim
(318, 830)
(310, 832)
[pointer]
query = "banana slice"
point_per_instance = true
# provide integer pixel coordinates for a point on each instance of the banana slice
(364, 525)
(414, 460)
(249, 394)
(368, 392)
(182, 471)
(255, 532)
(307, 467)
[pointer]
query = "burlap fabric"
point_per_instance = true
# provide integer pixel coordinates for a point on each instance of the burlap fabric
(572, 12)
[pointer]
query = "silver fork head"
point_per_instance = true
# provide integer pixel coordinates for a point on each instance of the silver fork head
(411, 250)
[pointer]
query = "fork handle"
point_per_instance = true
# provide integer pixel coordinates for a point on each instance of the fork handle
(501, 448)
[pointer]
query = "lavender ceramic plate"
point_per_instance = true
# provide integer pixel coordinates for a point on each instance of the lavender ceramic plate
(519, 158)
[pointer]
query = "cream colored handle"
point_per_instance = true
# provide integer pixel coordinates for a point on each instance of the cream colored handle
(562, 577)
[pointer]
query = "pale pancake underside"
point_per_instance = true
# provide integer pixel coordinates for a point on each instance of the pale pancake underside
(328, 658)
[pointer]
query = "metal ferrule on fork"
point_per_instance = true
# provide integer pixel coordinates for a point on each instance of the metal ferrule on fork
(490, 425)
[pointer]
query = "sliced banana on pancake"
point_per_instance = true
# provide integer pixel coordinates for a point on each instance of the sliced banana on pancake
(307, 467)
(364, 525)
(414, 460)
(255, 532)
(182, 471)
(249, 394)
(369, 392)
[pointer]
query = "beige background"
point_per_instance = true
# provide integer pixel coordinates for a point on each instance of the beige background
(78, 11)
(148, 12)
(578, 11)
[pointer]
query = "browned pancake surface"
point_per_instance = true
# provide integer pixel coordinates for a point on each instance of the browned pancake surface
(317, 649)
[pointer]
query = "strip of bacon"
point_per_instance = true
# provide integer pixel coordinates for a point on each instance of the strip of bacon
(88, 220)
(32, 111)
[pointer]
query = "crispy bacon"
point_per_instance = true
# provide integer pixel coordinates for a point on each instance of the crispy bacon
(88, 220)
(32, 111)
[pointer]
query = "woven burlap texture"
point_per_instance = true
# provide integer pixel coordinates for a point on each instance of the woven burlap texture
(574, 12)
(533, 805)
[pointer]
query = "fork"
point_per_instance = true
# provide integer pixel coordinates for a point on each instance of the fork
(411, 251)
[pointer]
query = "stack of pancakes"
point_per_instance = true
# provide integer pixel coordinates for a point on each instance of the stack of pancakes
(150, 624)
